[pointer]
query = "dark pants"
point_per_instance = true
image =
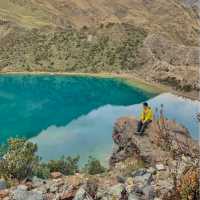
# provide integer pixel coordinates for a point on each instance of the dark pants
(142, 126)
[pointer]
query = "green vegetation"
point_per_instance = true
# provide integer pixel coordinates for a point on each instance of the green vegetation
(65, 165)
(42, 171)
(73, 50)
(3, 149)
(94, 166)
(132, 165)
(20, 161)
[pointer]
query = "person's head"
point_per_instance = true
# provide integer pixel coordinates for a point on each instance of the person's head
(145, 105)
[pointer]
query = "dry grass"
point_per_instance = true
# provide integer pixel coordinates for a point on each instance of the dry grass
(169, 17)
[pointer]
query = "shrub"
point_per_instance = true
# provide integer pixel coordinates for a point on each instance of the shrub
(189, 184)
(42, 171)
(3, 149)
(94, 166)
(65, 165)
(131, 166)
(19, 160)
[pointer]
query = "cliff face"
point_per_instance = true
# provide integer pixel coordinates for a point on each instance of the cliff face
(168, 153)
(164, 141)
(162, 164)
(92, 36)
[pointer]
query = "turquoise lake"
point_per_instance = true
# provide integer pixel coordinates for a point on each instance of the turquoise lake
(72, 115)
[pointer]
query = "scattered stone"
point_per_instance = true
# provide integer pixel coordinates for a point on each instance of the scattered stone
(139, 172)
(6, 198)
(22, 187)
(117, 190)
(53, 188)
(149, 192)
(21, 194)
(68, 195)
(4, 193)
(91, 187)
(121, 179)
(151, 170)
(143, 178)
(133, 196)
(38, 181)
(3, 184)
(129, 184)
(82, 195)
(160, 167)
(56, 175)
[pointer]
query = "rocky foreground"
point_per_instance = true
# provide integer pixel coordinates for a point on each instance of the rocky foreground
(162, 164)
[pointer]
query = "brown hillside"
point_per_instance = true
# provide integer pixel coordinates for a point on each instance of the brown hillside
(103, 35)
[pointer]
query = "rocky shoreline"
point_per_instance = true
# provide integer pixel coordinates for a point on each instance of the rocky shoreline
(161, 165)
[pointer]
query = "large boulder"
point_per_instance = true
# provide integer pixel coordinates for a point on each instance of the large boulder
(21, 194)
(3, 184)
(124, 145)
(163, 140)
(117, 191)
(82, 195)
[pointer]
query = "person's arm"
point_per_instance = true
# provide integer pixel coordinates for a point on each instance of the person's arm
(142, 117)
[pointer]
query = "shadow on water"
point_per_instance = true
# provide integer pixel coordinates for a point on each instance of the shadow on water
(31, 104)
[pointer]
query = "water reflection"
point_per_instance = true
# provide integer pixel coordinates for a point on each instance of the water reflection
(91, 134)
(30, 104)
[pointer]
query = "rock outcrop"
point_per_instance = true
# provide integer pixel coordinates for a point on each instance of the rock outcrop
(161, 165)
(164, 140)
(168, 153)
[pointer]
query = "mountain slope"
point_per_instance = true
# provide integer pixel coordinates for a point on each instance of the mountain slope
(169, 17)
(103, 35)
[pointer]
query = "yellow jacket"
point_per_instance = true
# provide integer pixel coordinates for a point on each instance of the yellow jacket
(147, 115)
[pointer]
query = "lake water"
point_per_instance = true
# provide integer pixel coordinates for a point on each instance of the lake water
(75, 115)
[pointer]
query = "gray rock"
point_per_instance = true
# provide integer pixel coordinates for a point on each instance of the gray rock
(82, 195)
(22, 187)
(133, 196)
(151, 170)
(20, 194)
(116, 190)
(121, 179)
(139, 172)
(101, 193)
(138, 190)
(53, 188)
(37, 181)
(143, 178)
(149, 192)
(3, 184)
(160, 167)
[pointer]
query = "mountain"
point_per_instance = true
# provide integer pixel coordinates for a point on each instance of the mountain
(139, 36)
(191, 3)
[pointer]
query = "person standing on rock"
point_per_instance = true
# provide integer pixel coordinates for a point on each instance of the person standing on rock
(145, 119)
